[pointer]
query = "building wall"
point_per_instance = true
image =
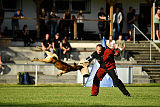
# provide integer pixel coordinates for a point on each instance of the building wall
(29, 11)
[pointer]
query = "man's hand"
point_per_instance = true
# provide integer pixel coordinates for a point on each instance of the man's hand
(116, 54)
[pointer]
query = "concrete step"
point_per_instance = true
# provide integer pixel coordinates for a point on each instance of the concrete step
(42, 79)
(146, 55)
(136, 48)
(142, 51)
(146, 58)
(141, 80)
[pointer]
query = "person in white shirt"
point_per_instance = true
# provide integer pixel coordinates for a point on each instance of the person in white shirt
(117, 18)
(111, 43)
(80, 25)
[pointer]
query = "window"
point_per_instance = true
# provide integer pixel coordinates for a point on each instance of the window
(11, 5)
(62, 5)
(145, 9)
(79, 5)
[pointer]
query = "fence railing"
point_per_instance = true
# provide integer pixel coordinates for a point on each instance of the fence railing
(134, 37)
(118, 66)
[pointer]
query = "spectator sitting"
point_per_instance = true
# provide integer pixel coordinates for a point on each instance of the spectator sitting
(57, 45)
(111, 42)
(15, 22)
(120, 44)
(66, 47)
(27, 39)
(46, 44)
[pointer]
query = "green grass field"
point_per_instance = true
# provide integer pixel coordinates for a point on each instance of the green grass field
(75, 95)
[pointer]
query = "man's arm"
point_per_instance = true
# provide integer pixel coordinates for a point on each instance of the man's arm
(43, 46)
(90, 58)
(107, 54)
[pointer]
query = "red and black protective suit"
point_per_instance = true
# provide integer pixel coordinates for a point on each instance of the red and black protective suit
(107, 65)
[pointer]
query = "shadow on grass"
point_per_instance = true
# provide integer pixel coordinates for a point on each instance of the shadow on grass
(64, 105)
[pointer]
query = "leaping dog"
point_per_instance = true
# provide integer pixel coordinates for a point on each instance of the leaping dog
(53, 58)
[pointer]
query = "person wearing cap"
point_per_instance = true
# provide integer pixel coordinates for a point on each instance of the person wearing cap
(57, 45)
(80, 25)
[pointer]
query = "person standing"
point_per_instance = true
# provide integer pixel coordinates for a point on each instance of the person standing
(105, 58)
(43, 16)
(15, 22)
(68, 23)
(157, 21)
(101, 24)
(80, 25)
(53, 22)
(57, 45)
(130, 21)
(117, 19)
(1, 19)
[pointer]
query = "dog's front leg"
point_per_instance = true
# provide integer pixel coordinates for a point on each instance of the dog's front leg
(61, 73)
(36, 59)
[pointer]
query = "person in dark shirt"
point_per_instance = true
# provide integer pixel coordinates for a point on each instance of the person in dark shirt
(66, 47)
(130, 21)
(57, 45)
(53, 22)
(15, 22)
(46, 44)
(27, 37)
(43, 16)
(101, 24)
(68, 24)
(106, 60)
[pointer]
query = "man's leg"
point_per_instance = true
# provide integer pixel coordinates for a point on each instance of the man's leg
(96, 82)
(118, 82)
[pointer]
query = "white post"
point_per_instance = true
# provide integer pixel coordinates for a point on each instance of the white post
(150, 51)
(36, 78)
(153, 21)
(134, 35)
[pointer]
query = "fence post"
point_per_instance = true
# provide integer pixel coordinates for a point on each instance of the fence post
(134, 35)
(150, 55)
(36, 78)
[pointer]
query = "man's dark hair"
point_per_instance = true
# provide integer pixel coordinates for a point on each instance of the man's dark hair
(102, 8)
(99, 45)
(130, 8)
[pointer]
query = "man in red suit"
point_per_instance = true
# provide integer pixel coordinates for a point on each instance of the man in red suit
(105, 58)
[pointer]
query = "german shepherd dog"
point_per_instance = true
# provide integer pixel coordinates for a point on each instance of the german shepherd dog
(53, 59)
